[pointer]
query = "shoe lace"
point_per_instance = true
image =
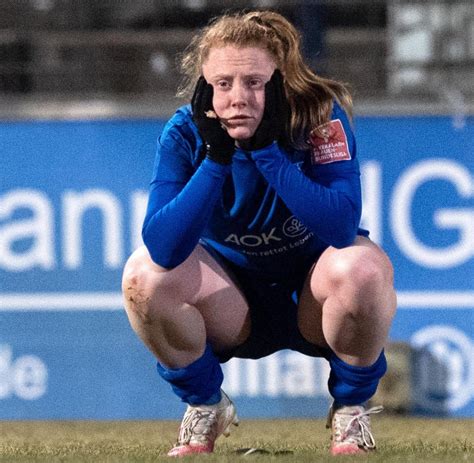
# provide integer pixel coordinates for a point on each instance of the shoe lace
(197, 425)
(356, 428)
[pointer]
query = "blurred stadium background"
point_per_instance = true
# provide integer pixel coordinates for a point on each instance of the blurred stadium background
(85, 88)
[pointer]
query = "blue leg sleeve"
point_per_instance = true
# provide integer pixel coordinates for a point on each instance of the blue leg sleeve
(350, 385)
(199, 383)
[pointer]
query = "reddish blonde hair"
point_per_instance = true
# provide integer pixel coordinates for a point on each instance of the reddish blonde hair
(309, 95)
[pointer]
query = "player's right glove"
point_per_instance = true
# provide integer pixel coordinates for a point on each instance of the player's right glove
(220, 146)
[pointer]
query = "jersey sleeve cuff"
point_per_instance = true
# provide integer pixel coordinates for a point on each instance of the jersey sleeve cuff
(215, 168)
(271, 150)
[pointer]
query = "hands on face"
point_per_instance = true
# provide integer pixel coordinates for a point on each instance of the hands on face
(219, 144)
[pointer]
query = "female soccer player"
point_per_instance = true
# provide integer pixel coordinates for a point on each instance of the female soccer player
(252, 238)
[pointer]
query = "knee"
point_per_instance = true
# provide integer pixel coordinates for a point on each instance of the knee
(370, 275)
(140, 283)
(364, 270)
(364, 281)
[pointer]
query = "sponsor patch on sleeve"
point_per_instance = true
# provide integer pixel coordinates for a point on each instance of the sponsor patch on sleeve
(329, 143)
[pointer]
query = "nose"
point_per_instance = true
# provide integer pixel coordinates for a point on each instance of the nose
(239, 95)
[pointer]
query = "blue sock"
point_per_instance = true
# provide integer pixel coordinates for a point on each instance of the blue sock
(351, 385)
(199, 383)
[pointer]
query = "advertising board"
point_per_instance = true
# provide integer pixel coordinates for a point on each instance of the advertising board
(72, 198)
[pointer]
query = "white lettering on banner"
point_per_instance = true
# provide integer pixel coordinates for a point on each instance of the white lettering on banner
(138, 205)
(371, 174)
(37, 227)
(26, 377)
(283, 374)
(75, 206)
(444, 368)
(28, 229)
(459, 219)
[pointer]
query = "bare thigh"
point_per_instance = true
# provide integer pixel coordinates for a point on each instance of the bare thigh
(221, 303)
(340, 272)
(193, 302)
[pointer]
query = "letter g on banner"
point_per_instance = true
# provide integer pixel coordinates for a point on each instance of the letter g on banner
(460, 219)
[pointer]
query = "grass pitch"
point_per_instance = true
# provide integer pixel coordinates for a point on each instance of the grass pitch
(398, 440)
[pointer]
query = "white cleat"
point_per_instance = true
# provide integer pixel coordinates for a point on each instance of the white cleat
(351, 430)
(202, 425)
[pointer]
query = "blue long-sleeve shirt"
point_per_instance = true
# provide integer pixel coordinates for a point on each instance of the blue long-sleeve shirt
(270, 211)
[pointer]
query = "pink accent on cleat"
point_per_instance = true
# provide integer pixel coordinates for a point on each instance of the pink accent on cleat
(183, 450)
(346, 449)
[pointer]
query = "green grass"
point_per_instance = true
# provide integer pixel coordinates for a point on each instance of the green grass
(398, 440)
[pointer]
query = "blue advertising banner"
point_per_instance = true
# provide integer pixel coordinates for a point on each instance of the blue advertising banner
(72, 198)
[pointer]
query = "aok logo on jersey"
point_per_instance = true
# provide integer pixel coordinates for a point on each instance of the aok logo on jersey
(443, 368)
(25, 377)
(292, 228)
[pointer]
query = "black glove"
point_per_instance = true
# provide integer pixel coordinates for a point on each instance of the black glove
(219, 144)
(275, 115)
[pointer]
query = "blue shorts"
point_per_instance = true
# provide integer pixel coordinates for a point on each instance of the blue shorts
(273, 313)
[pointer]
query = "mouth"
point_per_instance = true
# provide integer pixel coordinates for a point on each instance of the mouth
(239, 119)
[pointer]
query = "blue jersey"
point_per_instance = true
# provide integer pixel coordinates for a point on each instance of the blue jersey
(271, 211)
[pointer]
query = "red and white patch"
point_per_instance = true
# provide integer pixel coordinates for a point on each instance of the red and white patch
(329, 143)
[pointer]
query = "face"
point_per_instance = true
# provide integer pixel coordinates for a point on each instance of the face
(238, 77)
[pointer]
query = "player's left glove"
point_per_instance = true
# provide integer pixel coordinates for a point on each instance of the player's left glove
(275, 115)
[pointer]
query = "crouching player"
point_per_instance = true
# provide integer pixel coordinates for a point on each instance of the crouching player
(252, 238)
